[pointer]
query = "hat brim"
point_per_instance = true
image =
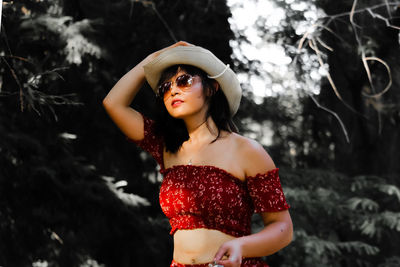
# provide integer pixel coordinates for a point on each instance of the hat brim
(202, 59)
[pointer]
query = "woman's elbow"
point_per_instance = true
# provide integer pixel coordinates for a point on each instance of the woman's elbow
(106, 102)
(109, 105)
(289, 233)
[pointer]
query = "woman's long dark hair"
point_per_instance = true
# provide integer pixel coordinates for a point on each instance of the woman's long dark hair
(174, 130)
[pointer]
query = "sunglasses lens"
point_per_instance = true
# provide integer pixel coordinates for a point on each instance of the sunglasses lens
(184, 80)
(163, 88)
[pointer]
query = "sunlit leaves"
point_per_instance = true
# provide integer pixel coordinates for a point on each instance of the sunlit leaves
(390, 190)
(355, 203)
(127, 198)
(71, 38)
(369, 228)
(360, 248)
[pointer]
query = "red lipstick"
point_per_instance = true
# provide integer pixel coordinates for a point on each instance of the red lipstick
(176, 102)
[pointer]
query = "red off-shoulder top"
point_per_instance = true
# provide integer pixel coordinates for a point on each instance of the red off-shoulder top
(202, 196)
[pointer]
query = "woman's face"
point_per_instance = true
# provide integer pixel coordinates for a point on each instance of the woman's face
(184, 99)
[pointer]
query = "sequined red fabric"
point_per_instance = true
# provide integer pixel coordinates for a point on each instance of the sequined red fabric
(266, 192)
(205, 197)
(194, 196)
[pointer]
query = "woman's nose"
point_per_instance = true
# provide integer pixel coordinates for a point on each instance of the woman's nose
(174, 89)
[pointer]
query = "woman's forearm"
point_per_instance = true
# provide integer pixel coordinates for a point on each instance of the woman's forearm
(125, 90)
(271, 239)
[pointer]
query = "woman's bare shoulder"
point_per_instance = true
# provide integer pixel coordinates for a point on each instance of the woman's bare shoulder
(254, 158)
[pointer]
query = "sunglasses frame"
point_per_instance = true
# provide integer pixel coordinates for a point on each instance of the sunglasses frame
(179, 81)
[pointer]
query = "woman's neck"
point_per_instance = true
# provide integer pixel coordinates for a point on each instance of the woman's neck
(201, 130)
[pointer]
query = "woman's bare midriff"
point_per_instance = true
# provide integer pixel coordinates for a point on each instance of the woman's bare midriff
(197, 246)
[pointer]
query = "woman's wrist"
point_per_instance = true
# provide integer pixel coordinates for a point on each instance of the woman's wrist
(147, 59)
(241, 243)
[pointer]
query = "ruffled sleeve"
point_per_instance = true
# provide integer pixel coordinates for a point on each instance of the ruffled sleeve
(152, 143)
(266, 192)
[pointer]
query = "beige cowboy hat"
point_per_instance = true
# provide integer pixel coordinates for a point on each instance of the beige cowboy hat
(204, 60)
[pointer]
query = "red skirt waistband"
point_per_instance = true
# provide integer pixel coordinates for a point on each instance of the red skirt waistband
(247, 262)
(177, 264)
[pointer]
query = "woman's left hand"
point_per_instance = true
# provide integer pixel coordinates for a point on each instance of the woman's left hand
(233, 251)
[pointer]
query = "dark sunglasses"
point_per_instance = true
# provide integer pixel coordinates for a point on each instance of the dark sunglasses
(183, 81)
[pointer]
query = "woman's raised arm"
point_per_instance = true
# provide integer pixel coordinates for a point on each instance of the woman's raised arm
(117, 101)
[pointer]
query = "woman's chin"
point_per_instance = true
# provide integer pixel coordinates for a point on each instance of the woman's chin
(183, 112)
(180, 114)
(177, 114)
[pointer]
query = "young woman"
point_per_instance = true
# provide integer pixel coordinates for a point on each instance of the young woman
(214, 178)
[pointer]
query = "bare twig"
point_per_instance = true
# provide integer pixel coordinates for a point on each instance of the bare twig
(302, 40)
(365, 59)
(366, 67)
(54, 71)
(165, 24)
(335, 115)
(19, 58)
(396, 3)
(353, 8)
(354, 26)
(21, 95)
(314, 46)
(388, 9)
(376, 15)
(36, 96)
(3, 29)
(324, 44)
(31, 99)
(309, 35)
(153, 6)
(314, 41)
(55, 236)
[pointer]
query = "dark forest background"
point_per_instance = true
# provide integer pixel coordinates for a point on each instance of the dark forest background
(74, 192)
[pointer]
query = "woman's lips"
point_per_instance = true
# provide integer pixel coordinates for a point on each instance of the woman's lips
(175, 103)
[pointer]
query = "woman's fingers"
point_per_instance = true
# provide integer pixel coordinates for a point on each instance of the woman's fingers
(220, 253)
(233, 261)
(180, 43)
(233, 252)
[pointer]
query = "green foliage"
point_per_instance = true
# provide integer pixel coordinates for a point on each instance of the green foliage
(341, 220)
(55, 206)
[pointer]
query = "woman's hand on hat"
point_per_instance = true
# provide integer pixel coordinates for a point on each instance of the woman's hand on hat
(157, 53)
(230, 254)
(180, 43)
